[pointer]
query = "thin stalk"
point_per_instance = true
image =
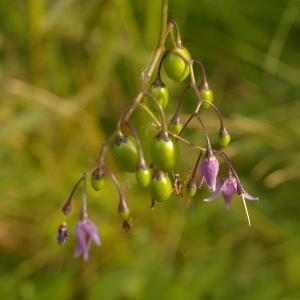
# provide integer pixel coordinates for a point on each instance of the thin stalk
(216, 110)
(175, 28)
(229, 164)
(114, 179)
(162, 113)
(205, 132)
(150, 113)
(66, 209)
(202, 69)
(141, 162)
(191, 145)
(186, 123)
(84, 211)
(196, 167)
(180, 102)
(160, 48)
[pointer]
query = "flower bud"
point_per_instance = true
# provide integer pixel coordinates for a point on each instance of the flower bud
(66, 209)
(191, 188)
(62, 233)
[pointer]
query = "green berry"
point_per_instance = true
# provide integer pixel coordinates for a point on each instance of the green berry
(163, 152)
(97, 179)
(160, 186)
(125, 215)
(125, 153)
(175, 126)
(143, 177)
(175, 65)
(224, 137)
(207, 94)
(160, 93)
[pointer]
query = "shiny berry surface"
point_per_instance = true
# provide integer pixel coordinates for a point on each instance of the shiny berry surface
(175, 65)
(143, 177)
(125, 153)
(161, 187)
(163, 153)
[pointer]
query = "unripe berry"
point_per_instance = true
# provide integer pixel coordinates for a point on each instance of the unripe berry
(160, 93)
(125, 153)
(97, 179)
(123, 209)
(163, 152)
(143, 177)
(224, 137)
(125, 215)
(176, 65)
(160, 186)
(207, 94)
(175, 126)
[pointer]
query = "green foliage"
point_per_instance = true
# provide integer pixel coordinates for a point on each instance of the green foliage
(67, 70)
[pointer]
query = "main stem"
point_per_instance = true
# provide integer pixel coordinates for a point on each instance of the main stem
(160, 48)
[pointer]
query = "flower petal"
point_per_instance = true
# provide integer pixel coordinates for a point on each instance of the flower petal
(92, 230)
(81, 239)
(210, 169)
(228, 190)
(214, 195)
(249, 197)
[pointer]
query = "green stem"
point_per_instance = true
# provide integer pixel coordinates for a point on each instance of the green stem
(160, 48)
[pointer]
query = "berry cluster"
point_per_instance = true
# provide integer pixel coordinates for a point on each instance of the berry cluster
(127, 148)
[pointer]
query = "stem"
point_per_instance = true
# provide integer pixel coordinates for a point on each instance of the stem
(229, 164)
(141, 162)
(114, 179)
(187, 123)
(216, 110)
(205, 133)
(175, 136)
(180, 102)
(175, 28)
(84, 213)
(150, 113)
(191, 145)
(163, 116)
(196, 167)
(202, 69)
(160, 48)
(130, 109)
(66, 209)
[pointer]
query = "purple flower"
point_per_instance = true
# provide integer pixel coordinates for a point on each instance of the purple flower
(85, 232)
(209, 169)
(228, 186)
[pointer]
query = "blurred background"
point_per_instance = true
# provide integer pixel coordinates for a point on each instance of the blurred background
(67, 70)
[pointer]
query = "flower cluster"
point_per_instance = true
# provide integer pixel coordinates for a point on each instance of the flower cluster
(154, 175)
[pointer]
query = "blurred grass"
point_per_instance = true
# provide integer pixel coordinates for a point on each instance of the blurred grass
(67, 69)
